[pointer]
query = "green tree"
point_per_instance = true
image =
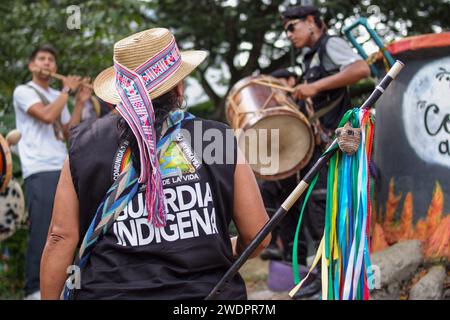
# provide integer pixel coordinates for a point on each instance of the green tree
(241, 37)
(246, 36)
(86, 51)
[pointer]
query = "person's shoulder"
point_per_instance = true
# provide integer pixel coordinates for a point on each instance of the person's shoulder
(213, 124)
(24, 97)
(93, 130)
(54, 91)
(336, 42)
(98, 126)
(106, 123)
(22, 89)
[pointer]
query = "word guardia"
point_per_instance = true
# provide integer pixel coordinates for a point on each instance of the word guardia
(192, 215)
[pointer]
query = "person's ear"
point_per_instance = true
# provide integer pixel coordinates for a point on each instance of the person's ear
(180, 89)
(180, 92)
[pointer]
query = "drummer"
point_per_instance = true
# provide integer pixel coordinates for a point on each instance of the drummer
(330, 66)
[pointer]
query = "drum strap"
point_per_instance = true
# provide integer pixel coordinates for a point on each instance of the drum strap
(57, 125)
(323, 111)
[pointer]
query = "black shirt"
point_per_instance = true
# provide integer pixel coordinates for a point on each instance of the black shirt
(135, 260)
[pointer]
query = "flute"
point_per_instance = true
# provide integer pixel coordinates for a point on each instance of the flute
(299, 190)
(58, 76)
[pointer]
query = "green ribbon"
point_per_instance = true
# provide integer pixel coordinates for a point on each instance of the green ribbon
(295, 246)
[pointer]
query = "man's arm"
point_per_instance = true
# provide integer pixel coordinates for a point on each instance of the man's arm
(83, 95)
(49, 113)
(348, 76)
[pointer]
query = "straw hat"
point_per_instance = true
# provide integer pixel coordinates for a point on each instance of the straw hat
(133, 51)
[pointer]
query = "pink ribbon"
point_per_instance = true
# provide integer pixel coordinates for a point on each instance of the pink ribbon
(136, 108)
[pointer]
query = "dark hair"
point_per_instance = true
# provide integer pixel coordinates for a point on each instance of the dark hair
(162, 106)
(43, 48)
(319, 22)
(283, 74)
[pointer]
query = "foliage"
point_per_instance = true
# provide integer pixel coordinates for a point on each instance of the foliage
(246, 36)
(85, 51)
(242, 37)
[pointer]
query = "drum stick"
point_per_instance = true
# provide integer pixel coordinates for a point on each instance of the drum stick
(299, 190)
(273, 85)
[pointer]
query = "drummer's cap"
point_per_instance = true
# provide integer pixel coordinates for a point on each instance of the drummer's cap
(300, 12)
(283, 74)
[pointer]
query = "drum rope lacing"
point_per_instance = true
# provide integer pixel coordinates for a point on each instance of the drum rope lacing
(267, 82)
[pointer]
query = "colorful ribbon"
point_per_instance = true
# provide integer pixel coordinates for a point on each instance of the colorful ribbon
(344, 249)
(137, 110)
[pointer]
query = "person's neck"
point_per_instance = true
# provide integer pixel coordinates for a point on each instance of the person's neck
(315, 38)
(43, 83)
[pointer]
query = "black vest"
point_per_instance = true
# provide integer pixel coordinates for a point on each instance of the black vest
(313, 73)
(135, 260)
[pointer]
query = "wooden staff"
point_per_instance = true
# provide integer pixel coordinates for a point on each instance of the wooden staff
(58, 76)
(299, 190)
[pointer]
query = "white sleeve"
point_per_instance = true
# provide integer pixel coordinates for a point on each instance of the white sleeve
(65, 115)
(340, 52)
(25, 97)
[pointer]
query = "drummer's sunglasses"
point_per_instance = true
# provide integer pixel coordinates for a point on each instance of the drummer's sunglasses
(291, 25)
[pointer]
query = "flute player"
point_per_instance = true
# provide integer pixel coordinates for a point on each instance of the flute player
(44, 120)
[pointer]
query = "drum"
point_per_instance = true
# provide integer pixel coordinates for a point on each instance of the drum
(267, 121)
(12, 209)
(5, 164)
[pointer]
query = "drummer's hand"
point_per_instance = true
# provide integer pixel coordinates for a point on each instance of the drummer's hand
(304, 91)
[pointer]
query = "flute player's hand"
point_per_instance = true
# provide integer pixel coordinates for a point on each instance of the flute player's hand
(72, 82)
(83, 94)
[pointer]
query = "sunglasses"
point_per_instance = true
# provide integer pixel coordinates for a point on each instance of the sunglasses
(291, 25)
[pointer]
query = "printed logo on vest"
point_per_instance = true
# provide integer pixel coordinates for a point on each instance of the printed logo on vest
(178, 162)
